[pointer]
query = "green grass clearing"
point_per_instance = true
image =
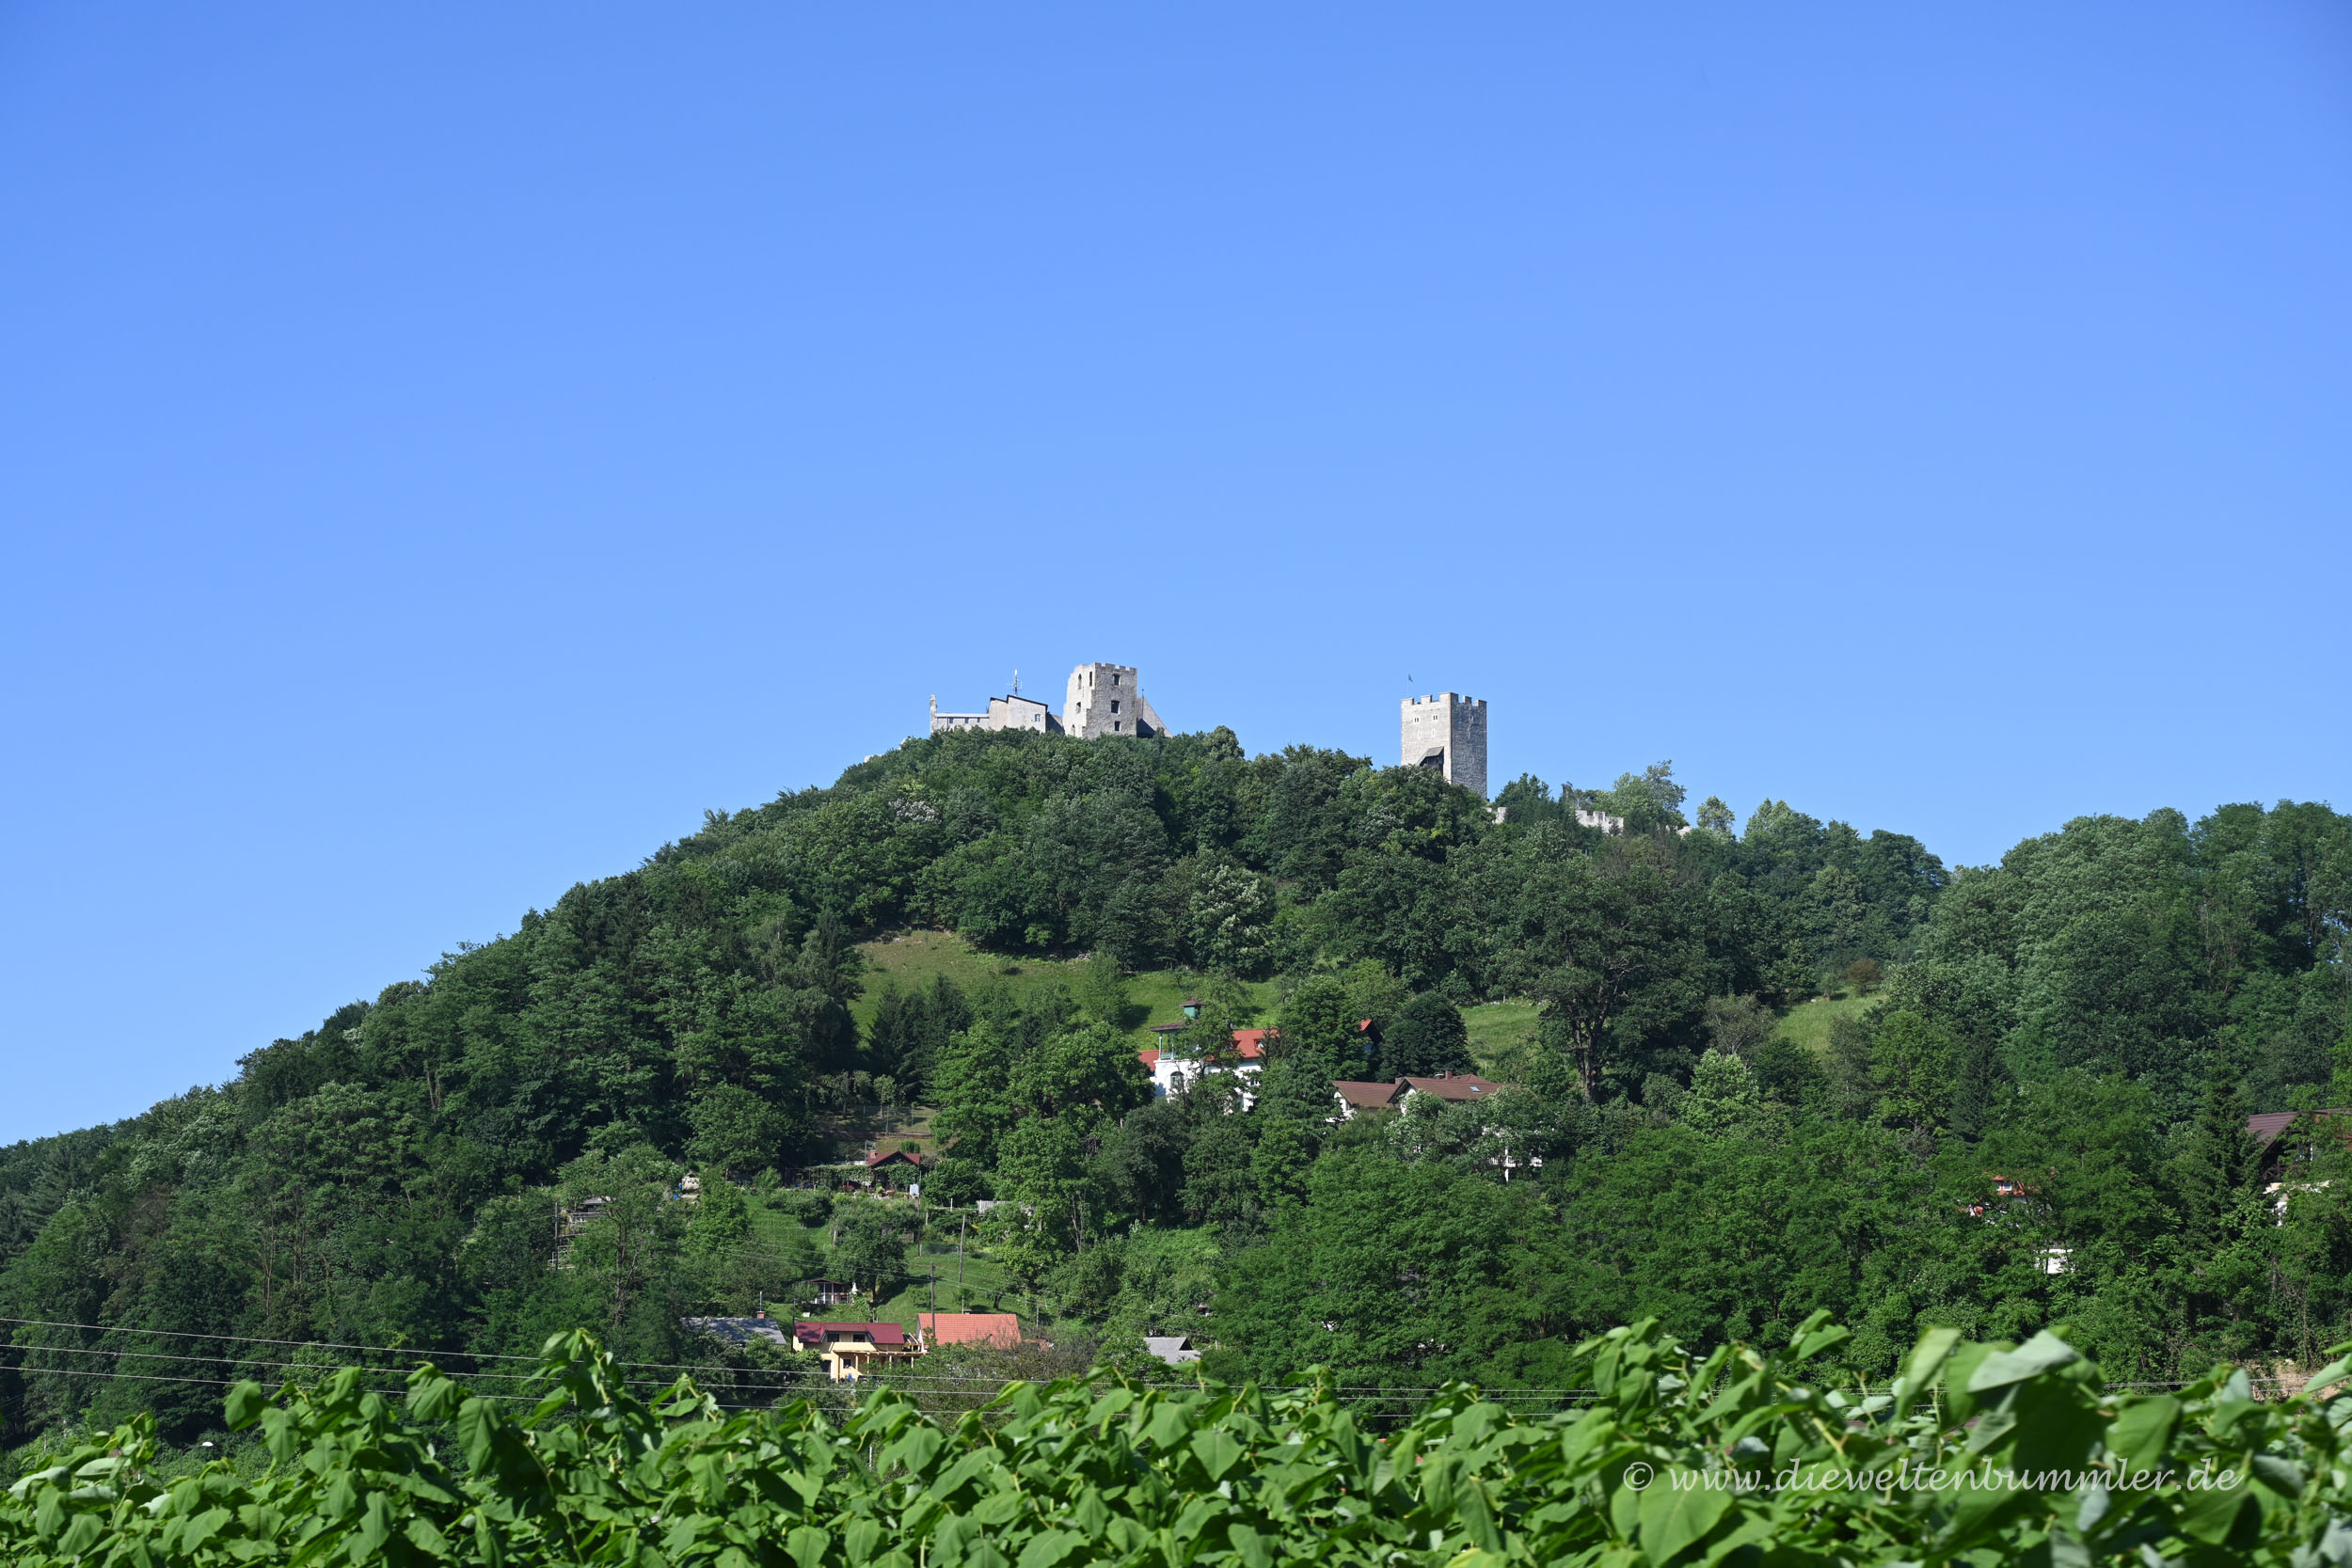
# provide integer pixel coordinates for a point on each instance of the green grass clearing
(915, 959)
(1808, 1023)
(1499, 1034)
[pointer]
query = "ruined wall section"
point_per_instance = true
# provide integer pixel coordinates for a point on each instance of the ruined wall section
(1151, 724)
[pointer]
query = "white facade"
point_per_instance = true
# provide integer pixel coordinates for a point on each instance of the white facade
(1446, 732)
(1172, 1071)
(1015, 712)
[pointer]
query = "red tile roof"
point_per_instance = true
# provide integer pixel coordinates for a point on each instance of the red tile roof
(1248, 1043)
(883, 1157)
(971, 1328)
(1366, 1097)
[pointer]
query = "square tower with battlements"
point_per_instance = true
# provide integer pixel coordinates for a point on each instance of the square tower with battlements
(1447, 732)
(1104, 698)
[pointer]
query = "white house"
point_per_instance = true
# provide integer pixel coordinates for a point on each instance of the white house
(1172, 1069)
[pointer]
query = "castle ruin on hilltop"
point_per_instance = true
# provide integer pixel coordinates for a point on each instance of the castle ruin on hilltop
(1103, 699)
(1446, 732)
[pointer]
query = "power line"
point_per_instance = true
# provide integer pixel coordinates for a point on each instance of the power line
(253, 1339)
(712, 1371)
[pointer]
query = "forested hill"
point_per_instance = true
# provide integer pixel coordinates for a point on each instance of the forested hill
(2031, 1108)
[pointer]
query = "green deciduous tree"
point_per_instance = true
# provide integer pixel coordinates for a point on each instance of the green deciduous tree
(1427, 1037)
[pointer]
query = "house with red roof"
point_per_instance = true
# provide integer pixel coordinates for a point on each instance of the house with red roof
(1001, 1329)
(1172, 1068)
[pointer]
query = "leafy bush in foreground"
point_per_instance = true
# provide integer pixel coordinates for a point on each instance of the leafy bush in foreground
(1729, 1458)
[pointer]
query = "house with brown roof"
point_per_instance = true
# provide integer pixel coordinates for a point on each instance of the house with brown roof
(848, 1351)
(2287, 1141)
(2269, 1131)
(1455, 1087)
(1459, 1087)
(1358, 1095)
(1451, 1088)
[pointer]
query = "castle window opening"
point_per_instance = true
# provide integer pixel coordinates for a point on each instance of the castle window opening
(1114, 701)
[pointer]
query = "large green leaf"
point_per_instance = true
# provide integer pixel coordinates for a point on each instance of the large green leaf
(1047, 1549)
(244, 1406)
(2211, 1513)
(2142, 1430)
(1218, 1452)
(1676, 1512)
(2046, 1352)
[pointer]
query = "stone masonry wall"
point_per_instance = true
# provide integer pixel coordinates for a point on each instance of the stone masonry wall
(1087, 712)
(1467, 766)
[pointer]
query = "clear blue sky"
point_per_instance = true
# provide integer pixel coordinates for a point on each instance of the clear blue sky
(443, 448)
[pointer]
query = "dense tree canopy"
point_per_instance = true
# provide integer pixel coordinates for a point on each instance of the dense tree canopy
(2038, 1115)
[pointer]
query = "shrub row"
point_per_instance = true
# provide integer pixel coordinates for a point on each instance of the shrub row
(1978, 1453)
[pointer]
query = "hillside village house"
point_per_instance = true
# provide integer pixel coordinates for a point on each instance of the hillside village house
(850, 1351)
(739, 1331)
(1455, 1087)
(1172, 1068)
(2286, 1151)
(1000, 1329)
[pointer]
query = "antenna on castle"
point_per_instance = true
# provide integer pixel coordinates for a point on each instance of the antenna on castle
(1016, 680)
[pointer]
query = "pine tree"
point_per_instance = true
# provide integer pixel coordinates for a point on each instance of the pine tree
(1977, 1090)
(2222, 1165)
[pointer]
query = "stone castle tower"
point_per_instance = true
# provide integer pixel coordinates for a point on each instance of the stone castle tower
(1448, 732)
(1104, 698)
